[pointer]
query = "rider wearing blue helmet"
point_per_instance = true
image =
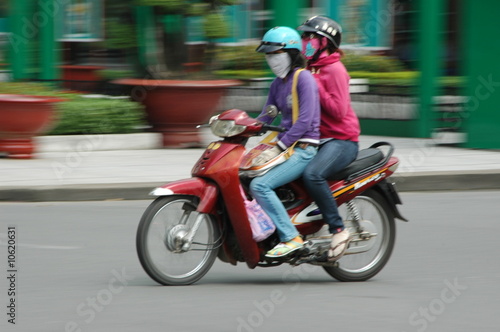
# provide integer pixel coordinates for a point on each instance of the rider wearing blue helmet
(282, 40)
(282, 46)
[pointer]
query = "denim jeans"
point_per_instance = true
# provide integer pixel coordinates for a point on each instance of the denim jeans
(262, 189)
(332, 157)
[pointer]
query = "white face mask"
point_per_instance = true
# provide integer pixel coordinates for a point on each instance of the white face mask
(280, 63)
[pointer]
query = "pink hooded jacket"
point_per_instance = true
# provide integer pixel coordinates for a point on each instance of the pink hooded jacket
(338, 119)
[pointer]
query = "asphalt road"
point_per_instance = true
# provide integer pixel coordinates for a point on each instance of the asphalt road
(76, 270)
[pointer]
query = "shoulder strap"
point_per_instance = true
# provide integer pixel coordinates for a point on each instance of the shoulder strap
(295, 106)
(295, 96)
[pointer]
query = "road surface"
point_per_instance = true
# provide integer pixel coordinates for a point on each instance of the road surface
(75, 269)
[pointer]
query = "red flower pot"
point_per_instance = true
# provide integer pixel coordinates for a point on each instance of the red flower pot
(83, 78)
(21, 118)
(174, 108)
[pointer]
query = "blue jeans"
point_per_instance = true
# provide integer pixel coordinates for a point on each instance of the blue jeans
(332, 157)
(262, 189)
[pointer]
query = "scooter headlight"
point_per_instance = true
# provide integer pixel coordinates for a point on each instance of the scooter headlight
(226, 128)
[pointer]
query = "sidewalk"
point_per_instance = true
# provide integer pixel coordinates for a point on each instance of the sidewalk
(98, 167)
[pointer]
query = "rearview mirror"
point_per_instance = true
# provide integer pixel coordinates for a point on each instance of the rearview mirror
(272, 111)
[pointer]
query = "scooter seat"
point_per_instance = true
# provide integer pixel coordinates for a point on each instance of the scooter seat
(366, 158)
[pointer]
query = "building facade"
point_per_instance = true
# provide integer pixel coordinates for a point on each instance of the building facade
(434, 37)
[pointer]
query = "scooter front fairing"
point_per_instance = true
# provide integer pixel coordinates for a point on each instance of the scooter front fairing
(215, 177)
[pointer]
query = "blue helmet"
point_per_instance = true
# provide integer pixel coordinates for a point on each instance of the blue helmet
(280, 38)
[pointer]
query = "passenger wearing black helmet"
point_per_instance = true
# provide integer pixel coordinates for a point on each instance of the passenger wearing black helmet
(339, 128)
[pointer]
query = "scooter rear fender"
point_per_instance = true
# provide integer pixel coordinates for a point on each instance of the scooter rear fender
(391, 195)
(206, 191)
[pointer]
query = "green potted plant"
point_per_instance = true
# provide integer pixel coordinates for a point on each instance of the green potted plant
(176, 97)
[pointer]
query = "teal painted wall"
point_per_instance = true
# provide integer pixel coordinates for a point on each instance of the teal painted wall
(3, 24)
(367, 25)
(286, 15)
(394, 128)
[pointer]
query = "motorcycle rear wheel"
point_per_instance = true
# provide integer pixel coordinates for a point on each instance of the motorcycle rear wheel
(158, 234)
(363, 266)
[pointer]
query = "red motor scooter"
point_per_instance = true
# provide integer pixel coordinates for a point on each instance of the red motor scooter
(196, 220)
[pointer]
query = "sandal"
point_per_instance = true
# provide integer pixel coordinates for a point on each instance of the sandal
(284, 248)
(340, 243)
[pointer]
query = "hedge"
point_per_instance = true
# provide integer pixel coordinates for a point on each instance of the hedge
(99, 116)
(371, 63)
(406, 82)
(81, 115)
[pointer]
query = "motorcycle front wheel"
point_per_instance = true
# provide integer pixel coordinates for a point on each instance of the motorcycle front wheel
(364, 259)
(161, 241)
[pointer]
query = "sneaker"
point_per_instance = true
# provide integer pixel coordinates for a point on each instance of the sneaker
(340, 243)
(285, 248)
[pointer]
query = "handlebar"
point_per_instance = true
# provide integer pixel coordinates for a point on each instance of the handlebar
(266, 127)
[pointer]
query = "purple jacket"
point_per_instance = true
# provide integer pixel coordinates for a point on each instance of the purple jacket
(306, 129)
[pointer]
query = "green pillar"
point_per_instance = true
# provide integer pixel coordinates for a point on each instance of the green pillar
(49, 47)
(430, 54)
(287, 14)
(21, 37)
(146, 35)
(482, 51)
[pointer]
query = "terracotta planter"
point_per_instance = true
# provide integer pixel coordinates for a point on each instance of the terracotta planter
(82, 78)
(193, 67)
(22, 118)
(175, 108)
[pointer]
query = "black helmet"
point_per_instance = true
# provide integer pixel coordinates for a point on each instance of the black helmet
(323, 26)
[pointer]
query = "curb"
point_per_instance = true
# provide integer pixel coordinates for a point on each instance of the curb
(443, 181)
(96, 142)
(422, 182)
(98, 192)
(108, 142)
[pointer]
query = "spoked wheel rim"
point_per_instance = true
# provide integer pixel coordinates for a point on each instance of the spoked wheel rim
(162, 247)
(375, 222)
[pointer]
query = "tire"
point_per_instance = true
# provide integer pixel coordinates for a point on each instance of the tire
(158, 252)
(379, 219)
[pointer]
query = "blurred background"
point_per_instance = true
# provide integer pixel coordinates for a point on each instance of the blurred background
(419, 68)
